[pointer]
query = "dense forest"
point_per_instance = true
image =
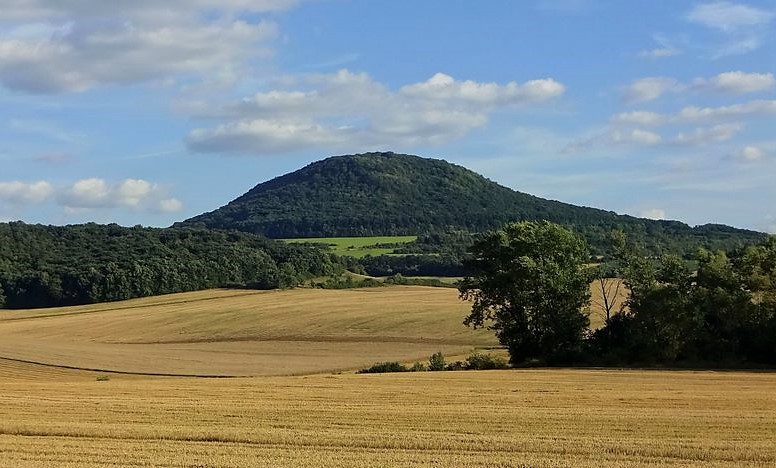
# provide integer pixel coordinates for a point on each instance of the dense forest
(396, 194)
(44, 266)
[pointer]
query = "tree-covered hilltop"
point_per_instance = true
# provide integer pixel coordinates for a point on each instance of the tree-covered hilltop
(396, 194)
(43, 266)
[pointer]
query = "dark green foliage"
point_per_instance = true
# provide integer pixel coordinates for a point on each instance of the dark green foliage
(437, 254)
(413, 265)
(453, 243)
(398, 279)
(384, 367)
(348, 283)
(436, 362)
(418, 367)
(395, 194)
(480, 361)
(44, 266)
(530, 285)
(456, 366)
(724, 313)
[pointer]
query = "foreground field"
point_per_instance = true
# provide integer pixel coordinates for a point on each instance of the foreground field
(536, 418)
(244, 333)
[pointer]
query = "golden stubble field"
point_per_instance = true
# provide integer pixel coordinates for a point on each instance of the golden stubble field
(515, 418)
(55, 416)
(245, 333)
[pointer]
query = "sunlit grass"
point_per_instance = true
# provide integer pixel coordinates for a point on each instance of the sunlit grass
(357, 246)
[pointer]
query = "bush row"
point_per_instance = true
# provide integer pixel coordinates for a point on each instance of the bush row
(436, 362)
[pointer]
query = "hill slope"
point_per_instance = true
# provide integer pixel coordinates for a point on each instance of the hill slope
(395, 194)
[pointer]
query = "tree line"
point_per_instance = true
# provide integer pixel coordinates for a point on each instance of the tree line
(529, 282)
(47, 266)
(443, 253)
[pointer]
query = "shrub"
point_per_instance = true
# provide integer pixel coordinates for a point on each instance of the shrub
(436, 362)
(455, 366)
(348, 283)
(384, 367)
(418, 367)
(480, 361)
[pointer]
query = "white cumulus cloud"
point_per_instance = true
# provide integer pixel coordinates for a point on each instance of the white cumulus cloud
(707, 135)
(728, 16)
(134, 194)
(445, 88)
(24, 193)
(649, 89)
(666, 48)
(619, 137)
(695, 114)
(52, 46)
(741, 28)
(737, 82)
(660, 52)
(750, 154)
(349, 110)
(92, 193)
(653, 213)
(170, 205)
(747, 109)
(639, 118)
(87, 193)
(733, 82)
(638, 136)
(149, 10)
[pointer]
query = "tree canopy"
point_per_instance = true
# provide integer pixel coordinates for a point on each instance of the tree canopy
(529, 283)
(722, 313)
(43, 266)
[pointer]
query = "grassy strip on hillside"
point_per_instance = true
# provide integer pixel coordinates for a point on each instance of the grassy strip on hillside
(358, 246)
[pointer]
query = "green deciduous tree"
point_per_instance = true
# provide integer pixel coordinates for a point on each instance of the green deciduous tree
(529, 283)
(722, 312)
(436, 362)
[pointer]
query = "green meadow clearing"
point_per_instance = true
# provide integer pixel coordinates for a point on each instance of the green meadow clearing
(357, 246)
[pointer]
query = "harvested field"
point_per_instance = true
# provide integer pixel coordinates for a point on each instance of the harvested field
(244, 333)
(531, 418)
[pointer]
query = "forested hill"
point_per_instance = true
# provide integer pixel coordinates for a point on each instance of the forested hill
(397, 194)
(43, 266)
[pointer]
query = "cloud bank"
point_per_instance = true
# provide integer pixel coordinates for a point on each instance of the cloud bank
(50, 46)
(89, 194)
(347, 109)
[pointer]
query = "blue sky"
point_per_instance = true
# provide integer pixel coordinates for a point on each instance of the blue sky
(151, 112)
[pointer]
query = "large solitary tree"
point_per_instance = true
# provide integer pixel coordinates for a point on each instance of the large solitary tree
(529, 283)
